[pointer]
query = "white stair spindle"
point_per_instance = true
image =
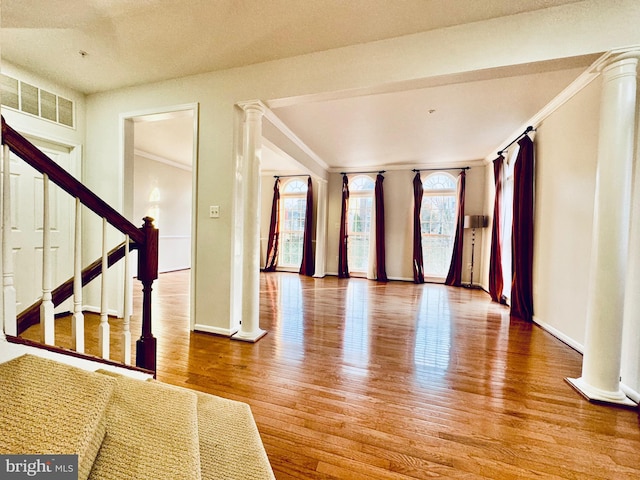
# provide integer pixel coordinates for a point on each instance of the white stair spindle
(8, 289)
(104, 332)
(77, 321)
(126, 321)
(47, 328)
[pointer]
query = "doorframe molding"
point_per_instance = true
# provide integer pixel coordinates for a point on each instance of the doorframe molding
(127, 152)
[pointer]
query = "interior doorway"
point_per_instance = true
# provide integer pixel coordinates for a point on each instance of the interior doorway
(160, 158)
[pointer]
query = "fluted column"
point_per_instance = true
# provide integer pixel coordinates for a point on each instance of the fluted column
(600, 379)
(321, 229)
(250, 187)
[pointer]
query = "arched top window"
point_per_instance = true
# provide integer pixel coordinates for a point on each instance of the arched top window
(295, 186)
(439, 181)
(361, 183)
(292, 217)
(437, 223)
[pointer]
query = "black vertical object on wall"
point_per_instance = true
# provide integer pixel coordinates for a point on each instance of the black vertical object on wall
(307, 267)
(343, 266)
(381, 270)
(496, 281)
(418, 267)
(274, 230)
(454, 277)
(523, 210)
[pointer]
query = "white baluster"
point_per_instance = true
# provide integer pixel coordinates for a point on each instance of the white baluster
(8, 289)
(47, 329)
(103, 334)
(77, 321)
(126, 320)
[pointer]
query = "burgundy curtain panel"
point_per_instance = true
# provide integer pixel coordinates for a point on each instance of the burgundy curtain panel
(308, 265)
(523, 205)
(343, 267)
(381, 271)
(454, 277)
(418, 267)
(274, 230)
(495, 264)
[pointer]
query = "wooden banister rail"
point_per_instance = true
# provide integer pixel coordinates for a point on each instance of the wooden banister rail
(58, 175)
(144, 239)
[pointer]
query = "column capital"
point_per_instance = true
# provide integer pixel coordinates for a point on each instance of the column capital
(630, 58)
(253, 106)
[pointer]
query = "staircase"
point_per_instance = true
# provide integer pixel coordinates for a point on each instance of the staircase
(124, 428)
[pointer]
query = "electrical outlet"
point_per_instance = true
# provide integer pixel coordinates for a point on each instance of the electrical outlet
(214, 211)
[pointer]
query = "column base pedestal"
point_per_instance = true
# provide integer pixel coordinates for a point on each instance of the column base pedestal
(597, 395)
(249, 336)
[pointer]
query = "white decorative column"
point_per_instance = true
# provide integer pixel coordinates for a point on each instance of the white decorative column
(321, 229)
(600, 379)
(250, 188)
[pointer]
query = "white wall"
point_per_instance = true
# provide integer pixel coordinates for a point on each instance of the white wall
(163, 192)
(566, 156)
(574, 29)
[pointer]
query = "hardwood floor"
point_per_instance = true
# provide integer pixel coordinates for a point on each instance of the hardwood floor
(359, 380)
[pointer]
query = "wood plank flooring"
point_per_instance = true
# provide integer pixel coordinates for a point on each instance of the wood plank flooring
(360, 380)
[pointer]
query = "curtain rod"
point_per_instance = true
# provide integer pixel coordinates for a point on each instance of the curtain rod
(529, 129)
(438, 169)
(289, 176)
(359, 173)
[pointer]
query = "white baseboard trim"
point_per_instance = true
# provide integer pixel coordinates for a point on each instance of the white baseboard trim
(578, 347)
(96, 310)
(226, 332)
(401, 279)
(630, 392)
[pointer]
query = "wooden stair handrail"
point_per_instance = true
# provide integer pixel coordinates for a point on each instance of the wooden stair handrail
(58, 175)
(145, 239)
(31, 315)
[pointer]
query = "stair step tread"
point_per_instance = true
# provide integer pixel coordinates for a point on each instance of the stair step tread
(43, 412)
(230, 444)
(152, 433)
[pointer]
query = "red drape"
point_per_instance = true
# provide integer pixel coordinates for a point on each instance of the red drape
(381, 271)
(418, 267)
(343, 267)
(454, 277)
(274, 230)
(523, 205)
(495, 264)
(308, 265)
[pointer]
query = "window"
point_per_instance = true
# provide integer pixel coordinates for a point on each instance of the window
(437, 223)
(293, 203)
(360, 209)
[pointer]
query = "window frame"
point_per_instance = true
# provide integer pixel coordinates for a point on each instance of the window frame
(285, 233)
(429, 192)
(357, 193)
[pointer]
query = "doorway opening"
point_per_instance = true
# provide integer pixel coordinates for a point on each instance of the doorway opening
(160, 165)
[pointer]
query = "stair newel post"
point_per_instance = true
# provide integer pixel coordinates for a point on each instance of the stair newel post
(147, 273)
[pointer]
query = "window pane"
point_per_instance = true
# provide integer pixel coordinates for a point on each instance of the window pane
(292, 219)
(360, 207)
(437, 222)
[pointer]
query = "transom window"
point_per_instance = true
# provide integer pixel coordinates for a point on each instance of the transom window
(360, 208)
(293, 204)
(437, 223)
